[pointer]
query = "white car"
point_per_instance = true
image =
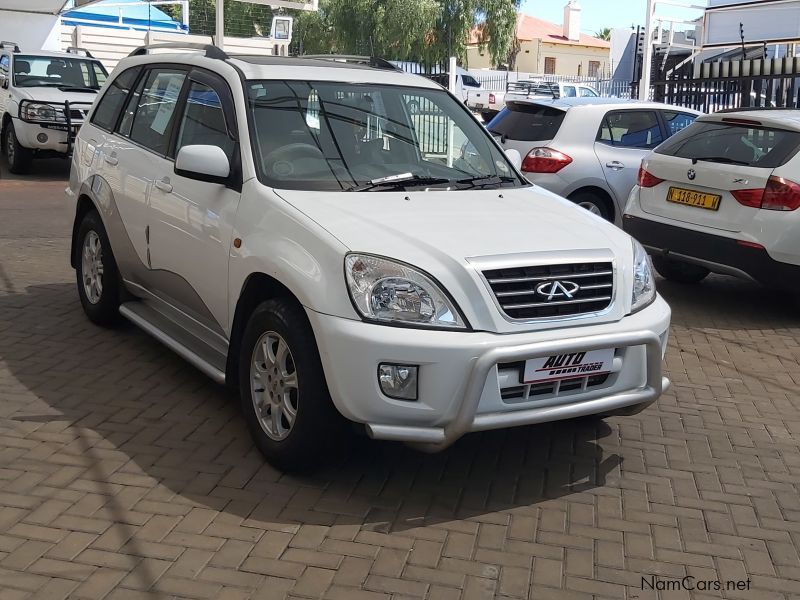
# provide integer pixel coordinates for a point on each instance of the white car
(292, 229)
(44, 98)
(722, 196)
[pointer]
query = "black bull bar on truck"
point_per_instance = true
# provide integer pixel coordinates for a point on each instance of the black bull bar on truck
(66, 114)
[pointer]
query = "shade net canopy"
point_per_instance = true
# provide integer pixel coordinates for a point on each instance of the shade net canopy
(44, 7)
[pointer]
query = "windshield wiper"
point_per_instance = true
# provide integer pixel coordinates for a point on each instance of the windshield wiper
(720, 159)
(484, 180)
(399, 181)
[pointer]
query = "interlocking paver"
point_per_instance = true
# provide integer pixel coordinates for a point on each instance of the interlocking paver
(126, 474)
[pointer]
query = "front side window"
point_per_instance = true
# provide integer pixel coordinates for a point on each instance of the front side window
(743, 144)
(470, 81)
(630, 129)
(154, 108)
(569, 91)
(586, 92)
(109, 106)
(203, 120)
(65, 73)
(339, 136)
(4, 62)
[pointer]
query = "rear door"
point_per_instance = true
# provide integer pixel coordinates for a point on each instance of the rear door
(624, 139)
(715, 172)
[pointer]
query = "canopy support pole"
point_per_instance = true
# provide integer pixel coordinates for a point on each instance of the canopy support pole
(220, 37)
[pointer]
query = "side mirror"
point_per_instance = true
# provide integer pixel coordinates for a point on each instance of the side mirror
(515, 157)
(4, 82)
(204, 163)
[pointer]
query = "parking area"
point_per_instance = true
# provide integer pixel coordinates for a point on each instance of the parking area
(125, 473)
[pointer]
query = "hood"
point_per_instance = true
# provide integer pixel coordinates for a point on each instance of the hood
(457, 224)
(451, 234)
(52, 94)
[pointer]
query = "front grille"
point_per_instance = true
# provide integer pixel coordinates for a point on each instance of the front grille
(522, 392)
(552, 290)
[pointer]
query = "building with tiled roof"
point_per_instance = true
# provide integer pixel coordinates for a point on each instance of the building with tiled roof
(549, 48)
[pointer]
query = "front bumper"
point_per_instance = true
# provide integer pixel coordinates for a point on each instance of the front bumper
(717, 253)
(464, 376)
(58, 138)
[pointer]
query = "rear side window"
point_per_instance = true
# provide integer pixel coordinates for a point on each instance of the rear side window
(630, 129)
(152, 121)
(725, 142)
(676, 121)
(527, 122)
(105, 115)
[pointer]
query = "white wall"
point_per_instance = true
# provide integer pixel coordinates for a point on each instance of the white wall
(30, 31)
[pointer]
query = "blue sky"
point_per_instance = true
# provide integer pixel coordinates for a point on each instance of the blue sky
(596, 14)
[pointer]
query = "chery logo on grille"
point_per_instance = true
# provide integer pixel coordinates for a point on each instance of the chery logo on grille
(557, 289)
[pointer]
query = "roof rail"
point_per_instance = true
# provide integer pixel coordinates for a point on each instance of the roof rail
(370, 61)
(210, 50)
(77, 50)
(14, 45)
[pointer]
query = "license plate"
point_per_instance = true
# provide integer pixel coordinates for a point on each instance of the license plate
(567, 366)
(692, 198)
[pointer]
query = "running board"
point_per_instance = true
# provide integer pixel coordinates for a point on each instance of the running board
(166, 331)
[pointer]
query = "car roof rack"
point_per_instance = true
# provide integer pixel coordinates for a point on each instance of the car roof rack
(369, 61)
(77, 50)
(210, 50)
(14, 45)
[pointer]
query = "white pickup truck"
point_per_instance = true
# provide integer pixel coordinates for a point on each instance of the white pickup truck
(486, 103)
(44, 98)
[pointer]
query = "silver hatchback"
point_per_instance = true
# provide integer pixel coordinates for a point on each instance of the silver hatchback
(587, 149)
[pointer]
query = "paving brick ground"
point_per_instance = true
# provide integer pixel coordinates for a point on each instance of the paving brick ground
(124, 473)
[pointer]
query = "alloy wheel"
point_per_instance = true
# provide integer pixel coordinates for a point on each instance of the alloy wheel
(92, 267)
(274, 385)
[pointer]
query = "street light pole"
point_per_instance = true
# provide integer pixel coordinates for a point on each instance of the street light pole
(647, 53)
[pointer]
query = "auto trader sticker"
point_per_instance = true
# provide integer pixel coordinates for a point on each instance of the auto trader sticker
(564, 366)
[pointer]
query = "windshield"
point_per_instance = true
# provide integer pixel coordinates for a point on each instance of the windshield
(60, 72)
(339, 136)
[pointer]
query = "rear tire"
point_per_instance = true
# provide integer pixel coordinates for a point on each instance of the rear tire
(98, 279)
(284, 395)
(679, 272)
(594, 203)
(19, 158)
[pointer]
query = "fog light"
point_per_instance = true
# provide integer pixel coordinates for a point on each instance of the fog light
(42, 137)
(398, 381)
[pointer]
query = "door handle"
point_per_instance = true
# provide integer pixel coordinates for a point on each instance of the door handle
(164, 185)
(111, 159)
(615, 165)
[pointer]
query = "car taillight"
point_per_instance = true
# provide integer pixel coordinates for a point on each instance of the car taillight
(545, 160)
(491, 99)
(647, 179)
(750, 198)
(780, 194)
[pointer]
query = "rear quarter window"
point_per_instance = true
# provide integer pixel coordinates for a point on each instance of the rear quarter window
(527, 122)
(753, 146)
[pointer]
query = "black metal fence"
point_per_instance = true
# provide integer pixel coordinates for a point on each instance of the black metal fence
(713, 86)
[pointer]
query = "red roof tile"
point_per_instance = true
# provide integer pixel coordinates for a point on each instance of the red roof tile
(531, 28)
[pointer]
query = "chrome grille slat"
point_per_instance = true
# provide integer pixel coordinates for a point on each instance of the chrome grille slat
(548, 278)
(515, 289)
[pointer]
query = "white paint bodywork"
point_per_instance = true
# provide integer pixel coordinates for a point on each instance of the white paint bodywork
(300, 238)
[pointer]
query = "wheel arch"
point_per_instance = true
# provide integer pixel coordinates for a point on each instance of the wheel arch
(257, 288)
(83, 206)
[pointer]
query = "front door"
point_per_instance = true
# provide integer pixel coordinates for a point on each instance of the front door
(191, 220)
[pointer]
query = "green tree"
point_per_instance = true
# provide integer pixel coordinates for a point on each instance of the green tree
(242, 19)
(603, 34)
(421, 30)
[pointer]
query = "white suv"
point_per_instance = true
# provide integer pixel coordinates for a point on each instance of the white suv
(44, 98)
(723, 196)
(292, 229)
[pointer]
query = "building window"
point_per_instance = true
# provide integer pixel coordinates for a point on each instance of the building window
(549, 65)
(594, 68)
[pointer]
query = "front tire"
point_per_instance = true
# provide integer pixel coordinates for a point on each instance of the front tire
(97, 275)
(19, 158)
(284, 396)
(680, 272)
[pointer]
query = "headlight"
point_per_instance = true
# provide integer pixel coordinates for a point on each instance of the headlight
(392, 292)
(36, 111)
(644, 284)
